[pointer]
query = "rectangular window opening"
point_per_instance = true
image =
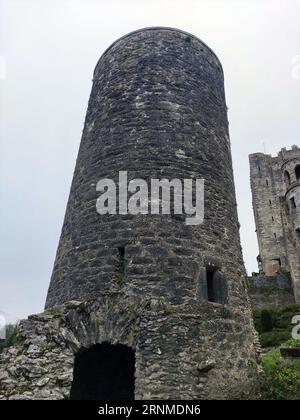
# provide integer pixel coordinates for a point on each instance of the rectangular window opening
(121, 260)
(216, 286)
(211, 290)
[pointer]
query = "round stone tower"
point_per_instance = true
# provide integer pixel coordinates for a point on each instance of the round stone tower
(157, 111)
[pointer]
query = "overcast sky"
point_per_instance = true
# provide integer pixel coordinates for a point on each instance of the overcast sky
(48, 52)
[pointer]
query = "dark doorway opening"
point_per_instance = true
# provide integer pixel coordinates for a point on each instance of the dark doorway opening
(104, 372)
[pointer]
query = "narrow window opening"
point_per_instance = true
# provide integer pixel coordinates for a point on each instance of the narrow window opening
(211, 293)
(297, 172)
(121, 260)
(272, 219)
(267, 182)
(216, 286)
(275, 236)
(293, 202)
(270, 202)
(121, 266)
(287, 209)
(287, 178)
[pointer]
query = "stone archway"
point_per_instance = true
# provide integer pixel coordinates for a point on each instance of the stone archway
(104, 372)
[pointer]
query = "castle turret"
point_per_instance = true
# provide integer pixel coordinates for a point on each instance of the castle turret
(275, 183)
(157, 110)
(171, 287)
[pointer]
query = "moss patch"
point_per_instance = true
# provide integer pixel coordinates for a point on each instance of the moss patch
(55, 312)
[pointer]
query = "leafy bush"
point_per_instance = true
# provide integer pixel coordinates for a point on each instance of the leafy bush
(281, 378)
(274, 338)
(266, 320)
(292, 343)
(274, 324)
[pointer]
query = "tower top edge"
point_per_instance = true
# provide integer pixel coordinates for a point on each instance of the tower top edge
(159, 28)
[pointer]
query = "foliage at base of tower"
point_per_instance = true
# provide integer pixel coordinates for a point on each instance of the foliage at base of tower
(281, 377)
(274, 324)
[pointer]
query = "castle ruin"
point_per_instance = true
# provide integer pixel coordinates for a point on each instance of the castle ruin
(275, 184)
(145, 306)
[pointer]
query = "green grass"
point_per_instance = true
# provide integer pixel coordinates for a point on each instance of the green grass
(55, 312)
(281, 377)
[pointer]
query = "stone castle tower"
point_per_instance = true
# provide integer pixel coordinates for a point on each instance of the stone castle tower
(149, 306)
(275, 184)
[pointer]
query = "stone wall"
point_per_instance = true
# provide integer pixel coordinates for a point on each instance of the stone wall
(275, 191)
(291, 221)
(157, 110)
(270, 291)
(187, 351)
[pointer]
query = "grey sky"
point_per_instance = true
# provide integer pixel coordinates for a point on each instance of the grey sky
(50, 48)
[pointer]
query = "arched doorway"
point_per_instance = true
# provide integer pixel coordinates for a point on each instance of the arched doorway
(104, 372)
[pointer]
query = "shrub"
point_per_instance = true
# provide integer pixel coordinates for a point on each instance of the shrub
(281, 378)
(281, 328)
(274, 338)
